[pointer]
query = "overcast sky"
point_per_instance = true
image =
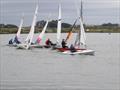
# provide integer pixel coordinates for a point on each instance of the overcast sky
(94, 11)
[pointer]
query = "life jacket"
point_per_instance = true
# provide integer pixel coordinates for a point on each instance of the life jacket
(47, 42)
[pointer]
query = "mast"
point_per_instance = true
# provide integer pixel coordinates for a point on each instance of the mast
(59, 25)
(81, 38)
(80, 17)
(81, 10)
(82, 30)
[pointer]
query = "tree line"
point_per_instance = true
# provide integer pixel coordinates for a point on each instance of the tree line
(53, 24)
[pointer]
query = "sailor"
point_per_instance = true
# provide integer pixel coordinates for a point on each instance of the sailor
(16, 40)
(72, 48)
(11, 41)
(48, 42)
(63, 43)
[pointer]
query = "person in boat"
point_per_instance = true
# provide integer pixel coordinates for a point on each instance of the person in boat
(16, 40)
(48, 42)
(11, 41)
(64, 44)
(72, 48)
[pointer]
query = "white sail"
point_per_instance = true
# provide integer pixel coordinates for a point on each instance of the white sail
(42, 33)
(20, 27)
(81, 37)
(59, 25)
(31, 33)
(82, 33)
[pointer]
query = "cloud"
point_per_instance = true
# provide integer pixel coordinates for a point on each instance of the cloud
(92, 9)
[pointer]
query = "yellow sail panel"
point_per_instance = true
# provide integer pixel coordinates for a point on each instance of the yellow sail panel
(68, 36)
(70, 32)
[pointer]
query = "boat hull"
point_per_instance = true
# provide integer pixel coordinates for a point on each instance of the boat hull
(23, 46)
(67, 49)
(81, 52)
(36, 46)
(40, 46)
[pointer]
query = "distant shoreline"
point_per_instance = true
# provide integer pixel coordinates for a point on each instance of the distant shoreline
(12, 29)
(62, 32)
(66, 27)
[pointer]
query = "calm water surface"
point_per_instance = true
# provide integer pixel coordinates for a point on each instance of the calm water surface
(45, 69)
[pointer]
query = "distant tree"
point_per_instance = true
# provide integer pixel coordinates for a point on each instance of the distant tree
(2, 25)
(78, 26)
(66, 25)
(40, 24)
(10, 26)
(53, 24)
(109, 24)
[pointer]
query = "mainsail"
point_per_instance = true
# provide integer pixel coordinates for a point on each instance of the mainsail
(31, 33)
(82, 33)
(59, 26)
(17, 36)
(42, 33)
(81, 37)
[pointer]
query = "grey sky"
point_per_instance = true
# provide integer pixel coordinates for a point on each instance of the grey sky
(95, 11)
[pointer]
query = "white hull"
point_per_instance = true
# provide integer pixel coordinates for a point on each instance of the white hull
(84, 52)
(23, 46)
(36, 46)
(40, 46)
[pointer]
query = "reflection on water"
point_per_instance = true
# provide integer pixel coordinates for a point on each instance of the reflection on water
(45, 69)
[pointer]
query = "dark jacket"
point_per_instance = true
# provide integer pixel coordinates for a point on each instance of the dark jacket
(72, 48)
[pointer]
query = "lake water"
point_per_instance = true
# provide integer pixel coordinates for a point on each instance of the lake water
(46, 69)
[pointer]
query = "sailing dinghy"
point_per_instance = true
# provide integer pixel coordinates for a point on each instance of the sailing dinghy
(80, 42)
(61, 49)
(40, 37)
(15, 40)
(28, 41)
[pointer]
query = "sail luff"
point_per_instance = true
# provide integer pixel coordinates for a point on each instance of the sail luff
(20, 27)
(59, 25)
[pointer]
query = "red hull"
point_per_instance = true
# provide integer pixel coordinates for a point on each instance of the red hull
(65, 49)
